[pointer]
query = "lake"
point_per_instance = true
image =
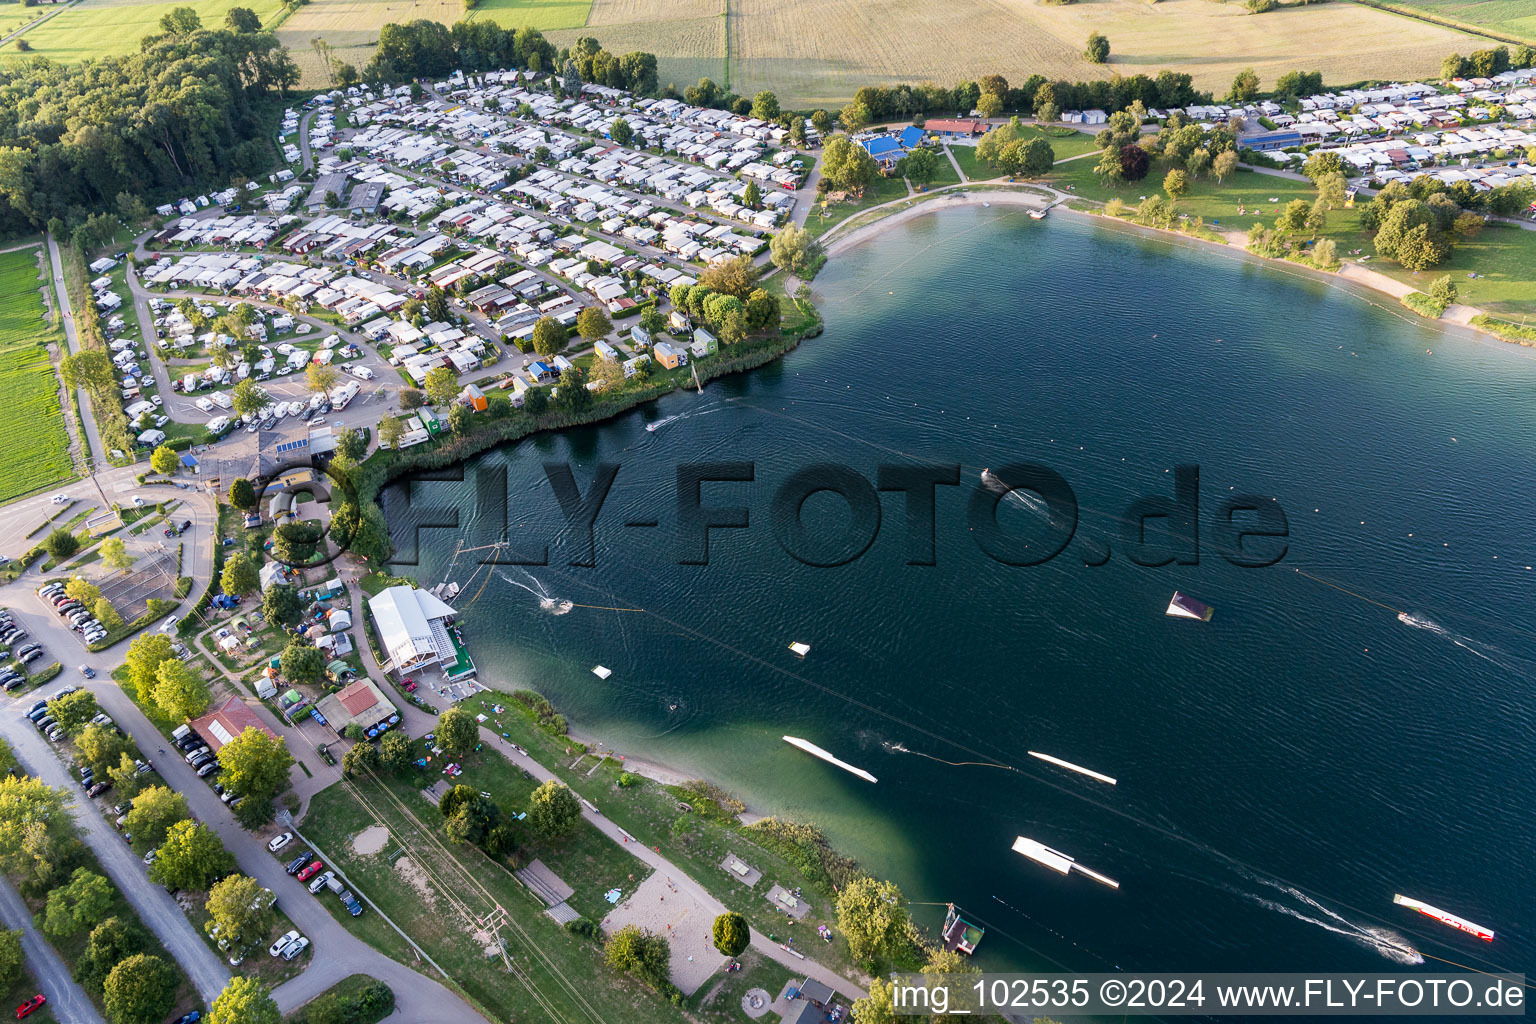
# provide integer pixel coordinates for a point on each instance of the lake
(1283, 769)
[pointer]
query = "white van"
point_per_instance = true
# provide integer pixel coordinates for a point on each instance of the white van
(222, 400)
(217, 424)
(152, 436)
(205, 403)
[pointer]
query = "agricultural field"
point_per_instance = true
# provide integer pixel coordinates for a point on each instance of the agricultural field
(687, 36)
(352, 28)
(818, 54)
(1509, 17)
(37, 452)
(543, 15)
(103, 28)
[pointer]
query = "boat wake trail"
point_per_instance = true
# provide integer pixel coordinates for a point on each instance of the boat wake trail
(1488, 652)
(548, 603)
(653, 427)
(1388, 943)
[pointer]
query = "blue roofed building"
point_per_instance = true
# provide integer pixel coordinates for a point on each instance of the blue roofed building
(885, 149)
(1265, 142)
(911, 137)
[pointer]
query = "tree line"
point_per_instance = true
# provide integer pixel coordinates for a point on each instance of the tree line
(100, 135)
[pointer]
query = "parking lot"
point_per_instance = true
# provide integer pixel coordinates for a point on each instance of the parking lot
(153, 575)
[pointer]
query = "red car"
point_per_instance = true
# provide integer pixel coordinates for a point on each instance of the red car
(26, 1008)
(410, 685)
(304, 875)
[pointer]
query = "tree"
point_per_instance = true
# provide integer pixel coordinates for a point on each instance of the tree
(1224, 165)
(242, 494)
(737, 276)
(535, 401)
(854, 116)
(989, 104)
(1294, 217)
(302, 662)
(638, 952)
(181, 692)
(731, 933)
(652, 321)
(794, 250)
(106, 614)
(280, 604)
(1454, 66)
(607, 374)
(101, 747)
(765, 106)
(242, 19)
(143, 660)
(460, 420)
(110, 942)
(255, 764)
(34, 828)
(153, 813)
(822, 122)
(61, 544)
(114, 553)
(126, 781)
(241, 908)
(360, 759)
(1038, 158)
(873, 917)
(395, 753)
(390, 431)
(442, 385)
(437, 305)
(920, 166)
(320, 378)
(549, 337)
(1134, 163)
(762, 310)
(91, 369)
(164, 460)
(457, 731)
(191, 857)
(140, 990)
(593, 324)
(11, 957)
(1245, 86)
(245, 1001)
(553, 810)
(82, 589)
(74, 710)
(846, 165)
(240, 574)
(752, 196)
(1325, 253)
(411, 398)
(249, 398)
(80, 904)
(620, 131)
(351, 445)
(1097, 50)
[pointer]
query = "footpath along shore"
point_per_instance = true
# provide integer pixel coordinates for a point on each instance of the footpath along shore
(1351, 277)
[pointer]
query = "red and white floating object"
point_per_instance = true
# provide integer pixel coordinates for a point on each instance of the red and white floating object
(1486, 934)
(1058, 861)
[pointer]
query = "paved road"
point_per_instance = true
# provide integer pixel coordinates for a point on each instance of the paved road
(66, 998)
(93, 436)
(337, 954)
(154, 905)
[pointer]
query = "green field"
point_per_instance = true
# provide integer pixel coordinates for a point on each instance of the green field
(104, 28)
(1508, 17)
(37, 450)
(545, 15)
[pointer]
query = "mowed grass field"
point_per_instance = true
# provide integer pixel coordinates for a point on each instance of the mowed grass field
(543, 15)
(103, 28)
(819, 53)
(1511, 17)
(36, 451)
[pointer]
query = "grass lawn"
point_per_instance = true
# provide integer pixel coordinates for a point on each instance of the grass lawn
(24, 988)
(1504, 258)
(348, 988)
(102, 28)
(882, 191)
(1065, 147)
(36, 452)
(559, 973)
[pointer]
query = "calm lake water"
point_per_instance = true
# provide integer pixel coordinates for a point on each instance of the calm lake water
(1283, 769)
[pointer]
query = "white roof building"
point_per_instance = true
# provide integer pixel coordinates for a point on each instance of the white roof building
(413, 628)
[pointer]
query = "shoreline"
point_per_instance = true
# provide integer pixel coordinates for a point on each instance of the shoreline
(1356, 278)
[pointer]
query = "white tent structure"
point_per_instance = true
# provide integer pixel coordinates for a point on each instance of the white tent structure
(412, 628)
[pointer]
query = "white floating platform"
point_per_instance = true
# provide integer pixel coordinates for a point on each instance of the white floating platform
(1185, 607)
(1069, 766)
(1057, 861)
(800, 649)
(601, 672)
(815, 751)
(1444, 917)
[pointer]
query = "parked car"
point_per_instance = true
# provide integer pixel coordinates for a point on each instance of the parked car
(278, 842)
(277, 947)
(195, 751)
(195, 1015)
(208, 769)
(305, 874)
(26, 1008)
(99, 788)
(352, 903)
(87, 671)
(169, 623)
(321, 881)
(295, 947)
(298, 862)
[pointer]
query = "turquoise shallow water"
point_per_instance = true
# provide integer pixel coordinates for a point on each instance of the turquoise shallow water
(1284, 768)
